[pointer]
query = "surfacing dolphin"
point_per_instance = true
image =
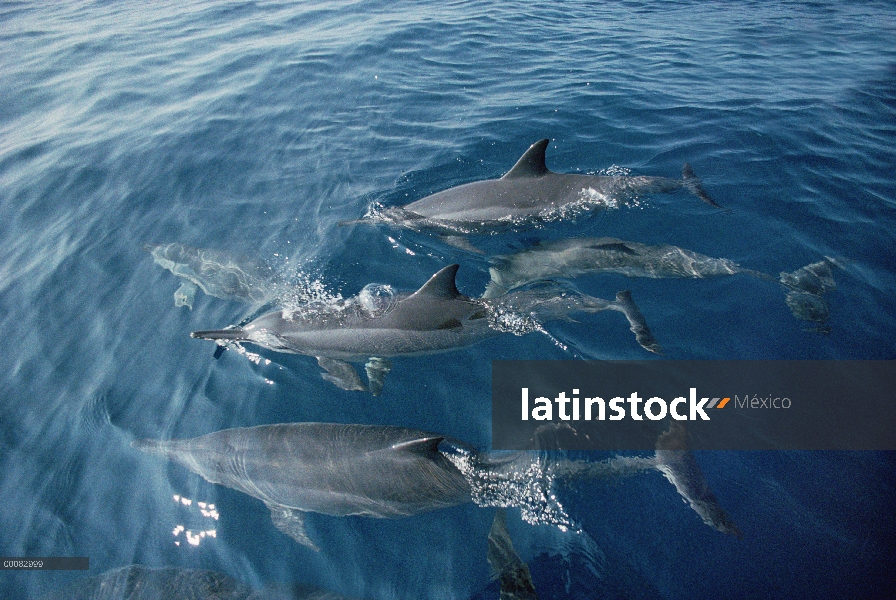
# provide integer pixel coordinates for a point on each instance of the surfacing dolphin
(215, 272)
(580, 256)
(527, 194)
(435, 318)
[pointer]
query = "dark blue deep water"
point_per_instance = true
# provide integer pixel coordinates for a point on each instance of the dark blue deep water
(254, 128)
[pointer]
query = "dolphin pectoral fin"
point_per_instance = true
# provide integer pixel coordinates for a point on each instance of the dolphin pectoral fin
(376, 373)
(636, 321)
(341, 374)
(185, 294)
(460, 242)
(695, 186)
(291, 522)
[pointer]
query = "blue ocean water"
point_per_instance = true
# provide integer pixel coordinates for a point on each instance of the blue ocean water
(256, 127)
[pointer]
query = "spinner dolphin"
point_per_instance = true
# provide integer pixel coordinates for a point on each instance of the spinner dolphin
(805, 287)
(435, 318)
(527, 194)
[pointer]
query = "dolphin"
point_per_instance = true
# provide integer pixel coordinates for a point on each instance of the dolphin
(388, 472)
(579, 256)
(435, 318)
(216, 273)
(328, 468)
(527, 194)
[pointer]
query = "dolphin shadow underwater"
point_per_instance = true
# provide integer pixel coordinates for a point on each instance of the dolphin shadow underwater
(435, 318)
(805, 287)
(528, 194)
(388, 472)
(140, 582)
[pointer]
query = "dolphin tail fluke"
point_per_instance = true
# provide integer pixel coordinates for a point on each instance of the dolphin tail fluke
(806, 289)
(377, 368)
(695, 186)
(637, 322)
(235, 334)
(506, 564)
(676, 461)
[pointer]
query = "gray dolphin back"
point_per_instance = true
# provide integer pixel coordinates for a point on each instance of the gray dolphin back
(328, 468)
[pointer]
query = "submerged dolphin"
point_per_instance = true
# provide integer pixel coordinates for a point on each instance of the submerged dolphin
(217, 273)
(528, 193)
(580, 256)
(334, 469)
(435, 318)
(139, 582)
(387, 472)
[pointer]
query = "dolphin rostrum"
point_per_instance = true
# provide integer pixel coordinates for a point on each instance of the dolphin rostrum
(527, 194)
(217, 273)
(580, 256)
(435, 318)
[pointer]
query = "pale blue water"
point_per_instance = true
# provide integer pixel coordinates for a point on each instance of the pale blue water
(256, 127)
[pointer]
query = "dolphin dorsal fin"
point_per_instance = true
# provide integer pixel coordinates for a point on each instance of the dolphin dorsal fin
(530, 164)
(426, 446)
(441, 285)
